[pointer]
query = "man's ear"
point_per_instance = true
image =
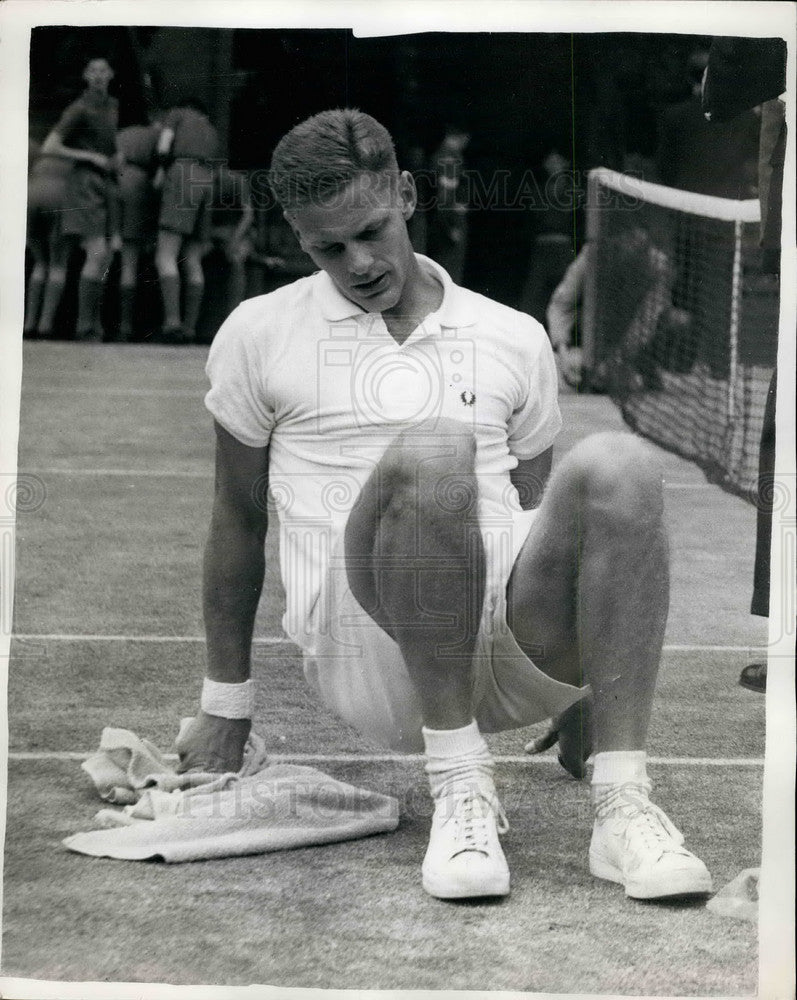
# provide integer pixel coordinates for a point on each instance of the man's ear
(408, 194)
(296, 232)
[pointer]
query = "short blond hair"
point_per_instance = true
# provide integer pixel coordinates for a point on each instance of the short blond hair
(323, 154)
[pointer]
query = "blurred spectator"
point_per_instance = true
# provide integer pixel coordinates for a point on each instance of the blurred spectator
(49, 248)
(553, 247)
(86, 135)
(417, 225)
(138, 210)
(693, 155)
(563, 317)
(187, 146)
(447, 231)
(636, 277)
(278, 258)
(232, 217)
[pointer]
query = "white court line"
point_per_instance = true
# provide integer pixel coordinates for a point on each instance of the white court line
(52, 390)
(142, 473)
(273, 640)
(269, 640)
(404, 758)
(166, 473)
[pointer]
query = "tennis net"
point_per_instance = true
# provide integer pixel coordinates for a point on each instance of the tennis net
(680, 322)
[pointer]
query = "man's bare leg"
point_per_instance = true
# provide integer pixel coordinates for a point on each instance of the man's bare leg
(589, 593)
(34, 291)
(166, 254)
(588, 601)
(59, 248)
(194, 252)
(128, 279)
(415, 563)
(92, 282)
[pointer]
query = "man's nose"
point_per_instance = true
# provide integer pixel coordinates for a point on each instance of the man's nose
(360, 259)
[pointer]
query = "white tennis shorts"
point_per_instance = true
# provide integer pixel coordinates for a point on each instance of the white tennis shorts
(359, 672)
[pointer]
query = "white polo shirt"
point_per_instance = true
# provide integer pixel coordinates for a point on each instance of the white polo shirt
(324, 385)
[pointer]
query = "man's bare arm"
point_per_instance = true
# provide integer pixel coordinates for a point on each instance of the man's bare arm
(234, 569)
(54, 146)
(234, 564)
(529, 478)
(163, 148)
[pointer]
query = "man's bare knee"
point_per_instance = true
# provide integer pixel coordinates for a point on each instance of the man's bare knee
(166, 262)
(618, 475)
(431, 466)
(440, 441)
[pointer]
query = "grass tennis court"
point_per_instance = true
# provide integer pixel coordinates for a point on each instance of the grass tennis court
(108, 632)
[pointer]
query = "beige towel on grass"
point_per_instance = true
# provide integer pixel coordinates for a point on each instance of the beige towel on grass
(192, 817)
(739, 898)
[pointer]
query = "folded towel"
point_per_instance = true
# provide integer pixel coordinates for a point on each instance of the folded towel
(190, 817)
(739, 898)
(125, 765)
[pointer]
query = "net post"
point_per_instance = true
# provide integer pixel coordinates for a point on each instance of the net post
(590, 305)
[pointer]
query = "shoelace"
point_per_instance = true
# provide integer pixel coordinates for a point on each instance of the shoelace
(656, 831)
(646, 820)
(471, 811)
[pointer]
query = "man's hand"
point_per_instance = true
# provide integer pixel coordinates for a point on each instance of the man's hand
(573, 732)
(571, 365)
(101, 161)
(212, 745)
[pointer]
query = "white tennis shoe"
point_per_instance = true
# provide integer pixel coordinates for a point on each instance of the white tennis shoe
(464, 858)
(636, 845)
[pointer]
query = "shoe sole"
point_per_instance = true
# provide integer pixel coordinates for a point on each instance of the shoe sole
(682, 884)
(475, 890)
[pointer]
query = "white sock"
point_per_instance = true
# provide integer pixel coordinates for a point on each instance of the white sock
(457, 757)
(619, 767)
(613, 768)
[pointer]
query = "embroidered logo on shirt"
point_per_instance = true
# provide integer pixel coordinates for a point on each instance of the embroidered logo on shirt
(468, 397)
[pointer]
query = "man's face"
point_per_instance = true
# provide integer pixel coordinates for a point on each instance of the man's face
(359, 237)
(98, 74)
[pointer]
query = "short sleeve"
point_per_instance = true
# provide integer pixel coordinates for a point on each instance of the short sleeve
(69, 121)
(536, 421)
(236, 370)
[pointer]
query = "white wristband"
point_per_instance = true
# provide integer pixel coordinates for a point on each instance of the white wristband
(229, 701)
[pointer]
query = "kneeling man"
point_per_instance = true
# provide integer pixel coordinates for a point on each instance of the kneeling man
(438, 582)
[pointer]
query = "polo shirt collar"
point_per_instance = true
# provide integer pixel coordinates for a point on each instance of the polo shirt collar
(455, 310)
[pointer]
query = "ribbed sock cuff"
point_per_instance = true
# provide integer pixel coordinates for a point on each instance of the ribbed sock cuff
(619, 767)
(452, 742)
(458, 757)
